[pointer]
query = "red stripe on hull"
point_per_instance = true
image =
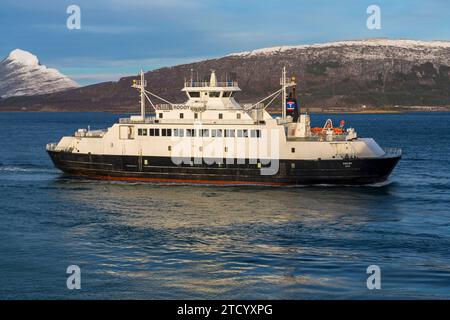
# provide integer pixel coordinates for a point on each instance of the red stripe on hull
(216, 182)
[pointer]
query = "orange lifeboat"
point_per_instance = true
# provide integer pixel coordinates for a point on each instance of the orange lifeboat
(329, 126)
(316, 130)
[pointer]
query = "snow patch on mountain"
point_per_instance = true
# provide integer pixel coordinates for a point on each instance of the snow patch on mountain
(22, 74)
(23, 57)
(400, 43)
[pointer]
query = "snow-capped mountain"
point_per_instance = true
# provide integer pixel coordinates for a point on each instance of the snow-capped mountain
(22, 75)
(344, 75)
(428, 48)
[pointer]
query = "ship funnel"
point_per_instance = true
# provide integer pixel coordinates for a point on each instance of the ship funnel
(213, 79)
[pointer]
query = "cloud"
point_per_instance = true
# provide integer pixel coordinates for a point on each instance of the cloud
(82, 71)
(109, 29)
(118, 37)
(101, 29)
(158, 4)
(89, 62)
(89, 78)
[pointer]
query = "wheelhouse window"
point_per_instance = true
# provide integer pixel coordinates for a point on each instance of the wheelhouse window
(255, 133)
(142, 132)
(194, 94)
(178, 132)
(229, 133)
(214, 94)
(216, 133)
(227, 94)
(204, 133)
(154, 132)
(190, 132)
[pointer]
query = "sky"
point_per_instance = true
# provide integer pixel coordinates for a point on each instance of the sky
(117, 38)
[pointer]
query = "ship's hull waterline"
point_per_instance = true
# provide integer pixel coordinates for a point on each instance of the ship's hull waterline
(164, 169)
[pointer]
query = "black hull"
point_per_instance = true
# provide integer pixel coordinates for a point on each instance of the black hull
(162, 169)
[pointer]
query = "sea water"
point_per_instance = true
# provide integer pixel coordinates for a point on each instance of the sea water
(165, 241)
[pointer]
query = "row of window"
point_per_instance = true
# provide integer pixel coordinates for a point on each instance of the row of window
(220, 116)
(227, 133)
(212, 94)
(155, 132)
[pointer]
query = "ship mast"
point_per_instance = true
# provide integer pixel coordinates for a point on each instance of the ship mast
(284, 85)
(142, 84)
(283, 93)
(144, 94)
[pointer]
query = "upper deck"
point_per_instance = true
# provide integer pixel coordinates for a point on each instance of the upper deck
(207, 84)
(212, 94)
(212, 103)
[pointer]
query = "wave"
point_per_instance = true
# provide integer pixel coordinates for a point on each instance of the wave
(330, 185)
(74, 179)
(86, 180)
(27, 168)
(425, 159)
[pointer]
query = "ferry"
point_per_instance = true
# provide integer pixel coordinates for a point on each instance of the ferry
(213, 139)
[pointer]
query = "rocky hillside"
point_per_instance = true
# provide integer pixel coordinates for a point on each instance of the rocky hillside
(343, 75)
(21, 74)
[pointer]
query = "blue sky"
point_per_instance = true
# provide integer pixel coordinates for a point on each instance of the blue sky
(117, 38)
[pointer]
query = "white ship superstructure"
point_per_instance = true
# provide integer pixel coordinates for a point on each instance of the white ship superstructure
(211, 138)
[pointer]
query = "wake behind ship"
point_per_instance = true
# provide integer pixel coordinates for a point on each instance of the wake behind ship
(211, 138)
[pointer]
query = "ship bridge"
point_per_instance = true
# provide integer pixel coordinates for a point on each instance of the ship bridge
(212, 95)
(208, 102)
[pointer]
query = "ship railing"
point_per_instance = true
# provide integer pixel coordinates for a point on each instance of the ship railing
(393, 152)
(198, 108)
(338, 137)
(163, 106)
(54, 147)
(132, 121)
(51, 146)
(86, 133)
(320, 138)
(196, 84)
(95, 133)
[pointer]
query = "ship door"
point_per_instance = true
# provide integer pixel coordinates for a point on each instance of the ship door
(126, 132)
